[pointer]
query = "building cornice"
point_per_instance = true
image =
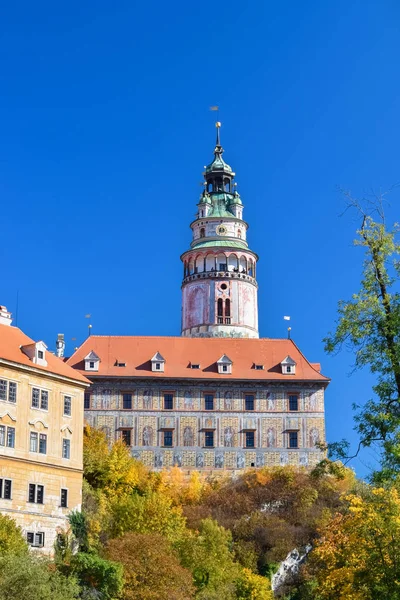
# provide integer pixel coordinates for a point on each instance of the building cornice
(42, 373)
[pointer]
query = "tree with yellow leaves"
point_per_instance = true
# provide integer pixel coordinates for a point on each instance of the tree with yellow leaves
(357, 556)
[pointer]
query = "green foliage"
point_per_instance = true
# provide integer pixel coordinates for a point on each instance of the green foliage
(210, 558)
(11, 539)
(151, 513)
(79, 528)
(27, 577)
(95, 573)
(369, 325)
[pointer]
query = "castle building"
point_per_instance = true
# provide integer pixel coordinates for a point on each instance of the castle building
(41, 439)
(218, 397)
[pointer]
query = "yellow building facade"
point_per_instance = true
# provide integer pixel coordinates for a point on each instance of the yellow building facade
(41, 436)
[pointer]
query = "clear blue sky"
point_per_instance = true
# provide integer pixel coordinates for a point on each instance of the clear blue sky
(105, 129)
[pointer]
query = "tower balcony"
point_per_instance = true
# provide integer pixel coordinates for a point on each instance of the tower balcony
(223, 273)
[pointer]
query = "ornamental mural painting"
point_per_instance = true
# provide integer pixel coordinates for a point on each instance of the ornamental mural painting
(314, 437)
(147, 436)
(228, 401)
(188, 400)
(196, 305)
(147, 399)
(229, 436)
(271, 437)
(188, 436)
(270, 401)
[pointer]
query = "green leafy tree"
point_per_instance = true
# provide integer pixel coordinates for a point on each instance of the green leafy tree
(369, 325)
(11, 538)
(28, 577)
(97, 574)
(151, 568)
(209, 556)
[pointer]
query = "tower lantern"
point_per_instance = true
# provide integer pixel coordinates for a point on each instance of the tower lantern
(219, 289)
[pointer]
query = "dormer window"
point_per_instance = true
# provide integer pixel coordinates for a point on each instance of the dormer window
(36, 352)
(288, 366)
(195, 366)
(157, 363)
(92, 361)
(259, 367)
(224, 365)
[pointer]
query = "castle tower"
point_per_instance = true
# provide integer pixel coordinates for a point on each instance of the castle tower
(219, 289)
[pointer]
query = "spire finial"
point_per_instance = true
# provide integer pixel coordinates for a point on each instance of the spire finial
(218, 126)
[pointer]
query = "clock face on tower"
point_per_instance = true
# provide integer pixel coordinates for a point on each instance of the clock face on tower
(221, 230)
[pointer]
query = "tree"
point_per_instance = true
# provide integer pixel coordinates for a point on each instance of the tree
(150, 513)
(358, 554)
(151, 568)
(209, 556)
(253, 587)
(99, 574)
(369, 324)
(28, 577)
(11, 538)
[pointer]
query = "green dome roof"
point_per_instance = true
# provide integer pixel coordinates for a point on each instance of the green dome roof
(218, 164)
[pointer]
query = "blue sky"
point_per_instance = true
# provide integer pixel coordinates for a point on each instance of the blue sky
(105, 128)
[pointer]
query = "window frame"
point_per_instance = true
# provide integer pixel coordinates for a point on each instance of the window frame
(66, 398)
(125, 430)
(292, 395)
(86, 400)
(206, 398)
(6, 385)
(125, 399)
(64, 498)
(209, 436)
(42, 441)
(170, 433)
(35, 491)
(245, 396)
(13, 432)
(291, 433)
(3, 484)
(247, 437)
(172, 394)
(34, 538)
(66, 443)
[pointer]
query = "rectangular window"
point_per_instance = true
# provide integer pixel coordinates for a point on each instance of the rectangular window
(249, 439)
(35, 398)
(11, 437)
(168, 438)
(44, 400)
(64, 498)
(86, 401)
(35, 539)
(249, 402)
(222, 267)
(33, 446)
(42, 443)
(259, 367)
(36, 493)
(158, 366)
(127, 401)
(2, 435)
(168, 401)
(195, 366)
(127, 436)
(40, 354)
(67, 406)
(225, 368)
(288, 369)
(12, 392)
(91, 364)
(3, 389)
(209, 439)
(5, 489)
(209, 401)
(66, 448)
(293, 402)
(293, 439)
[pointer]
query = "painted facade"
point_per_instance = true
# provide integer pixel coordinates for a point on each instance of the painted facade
(41, 439)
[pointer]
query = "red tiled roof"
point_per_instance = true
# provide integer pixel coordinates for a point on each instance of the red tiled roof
(181, 352)
(11, 340)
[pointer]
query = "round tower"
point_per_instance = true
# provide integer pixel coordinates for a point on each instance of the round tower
(219, 289)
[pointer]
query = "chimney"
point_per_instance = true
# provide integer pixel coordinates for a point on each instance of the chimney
(5, 316)
(60, 345)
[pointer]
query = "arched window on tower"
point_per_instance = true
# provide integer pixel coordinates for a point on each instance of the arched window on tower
(220, 311)
(227, 185)
(239, 233)
(202, 232)
(227, 312)
(209, 186)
